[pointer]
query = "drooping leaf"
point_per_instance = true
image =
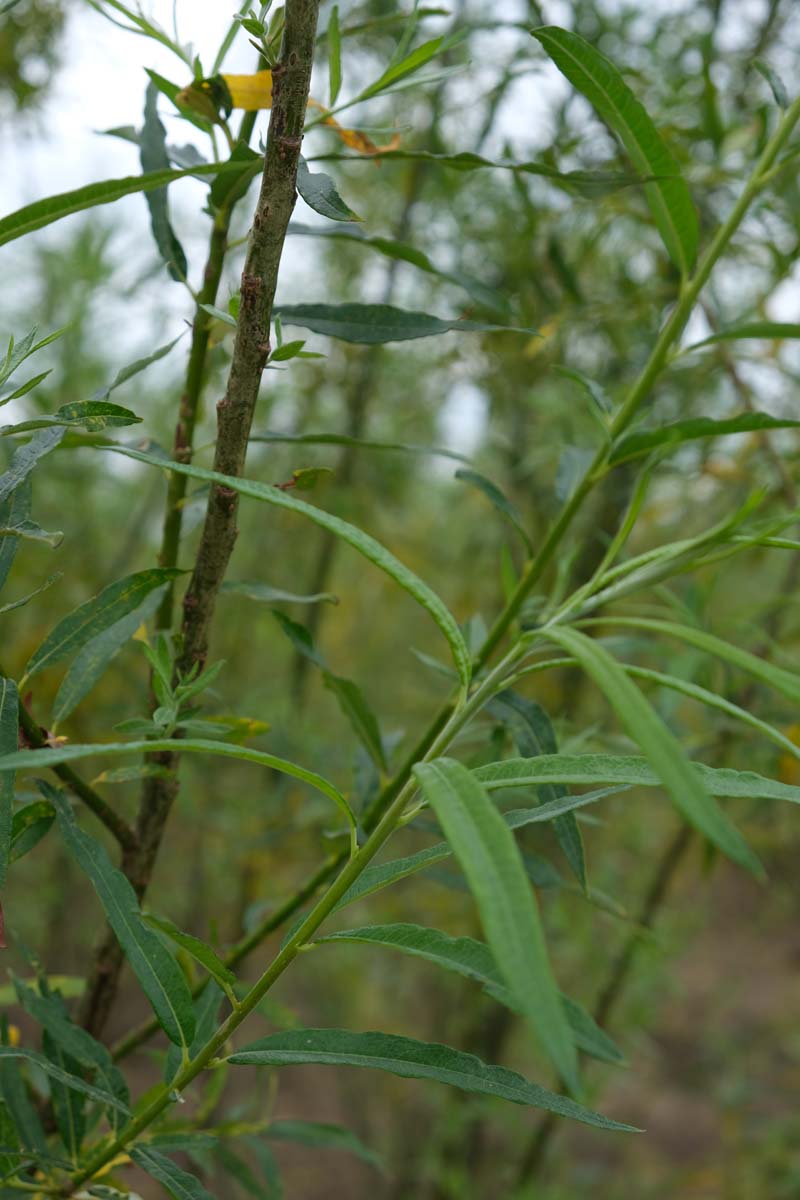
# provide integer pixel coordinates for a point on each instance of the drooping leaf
(45, 758)
(52, 1070)
(154, 157)
(500, 501)
(92, 660)
(334, 56)
(785, 682)
(53, 208)
(199, 950)
(341, 439)
(316, 1134)
(26, 458)
(159, 975)
(354, 705)
(360, 541)
(412, 1059)
(14, 510)
(473, 960)
(177, 1182)
(9, 741)
(664, 753)
(319, 192)
(491, 862)
(95, 616)
(534, 734)
(776, 84)
(376, 324)
(262, 592)
(603, 86)
(633, 445)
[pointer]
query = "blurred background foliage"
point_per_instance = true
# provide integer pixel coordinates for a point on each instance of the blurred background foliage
(706, 1015)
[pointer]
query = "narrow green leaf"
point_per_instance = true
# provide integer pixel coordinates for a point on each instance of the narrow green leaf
(53, 1071)
(766, 330)
(133, 368)
(367, 546)
(777, 86)
(154, 157)
(785, 682)
(500, 501)
(9, 741)
(358, 712)
(91, 415)
(24, 388)
(45, 758)
(9, 1140)
(590, 183)
(316, 1134)
(29, 826)
(334, 56)
(53, 208)
(473, 960)
(51, 579)
(668, 436)
(69, 1107)
(601, 83)
(26, 458)
(96, 615)
(376, 324)
(21, 1107)
(30, 531)
(159, 975)
(534, 734)
(491, 862)
(91, 662)
(262, 592)
(199, 950)
(319, 192)
(400, 252)
(412, 1059)
(341, 439)
(628, 770)
(179, 1183)
(662, 750)
(14, 510)
(410, 64)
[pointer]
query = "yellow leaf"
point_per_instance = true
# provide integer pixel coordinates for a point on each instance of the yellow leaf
(250, 92)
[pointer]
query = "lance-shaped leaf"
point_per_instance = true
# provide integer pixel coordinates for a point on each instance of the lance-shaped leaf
(500, 501)
(159, 975)
(97, 615)
(668, 436)
(45, 758)
(342, 439)
(154, 157)
(80, 1047)
(69, 1107)
(334, 56)
(14, 511)
(533, 734)
(174, 1179)
(491, 862)
(628, 770)
(319, 192)
(601, 83)
(53, 208)
(376, 324)
(413, 1060)
(26, 458)
(750, 331)
(252, 589)
(199, 950)
(91, 415)
(367, 546)
(9, 740)
(9, 1141)
(53, 1071)
(133, 368)
(785, 682)
(662, 750)
(473, 960)
(317, 1134)
(91, 662)
(26, 1118)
